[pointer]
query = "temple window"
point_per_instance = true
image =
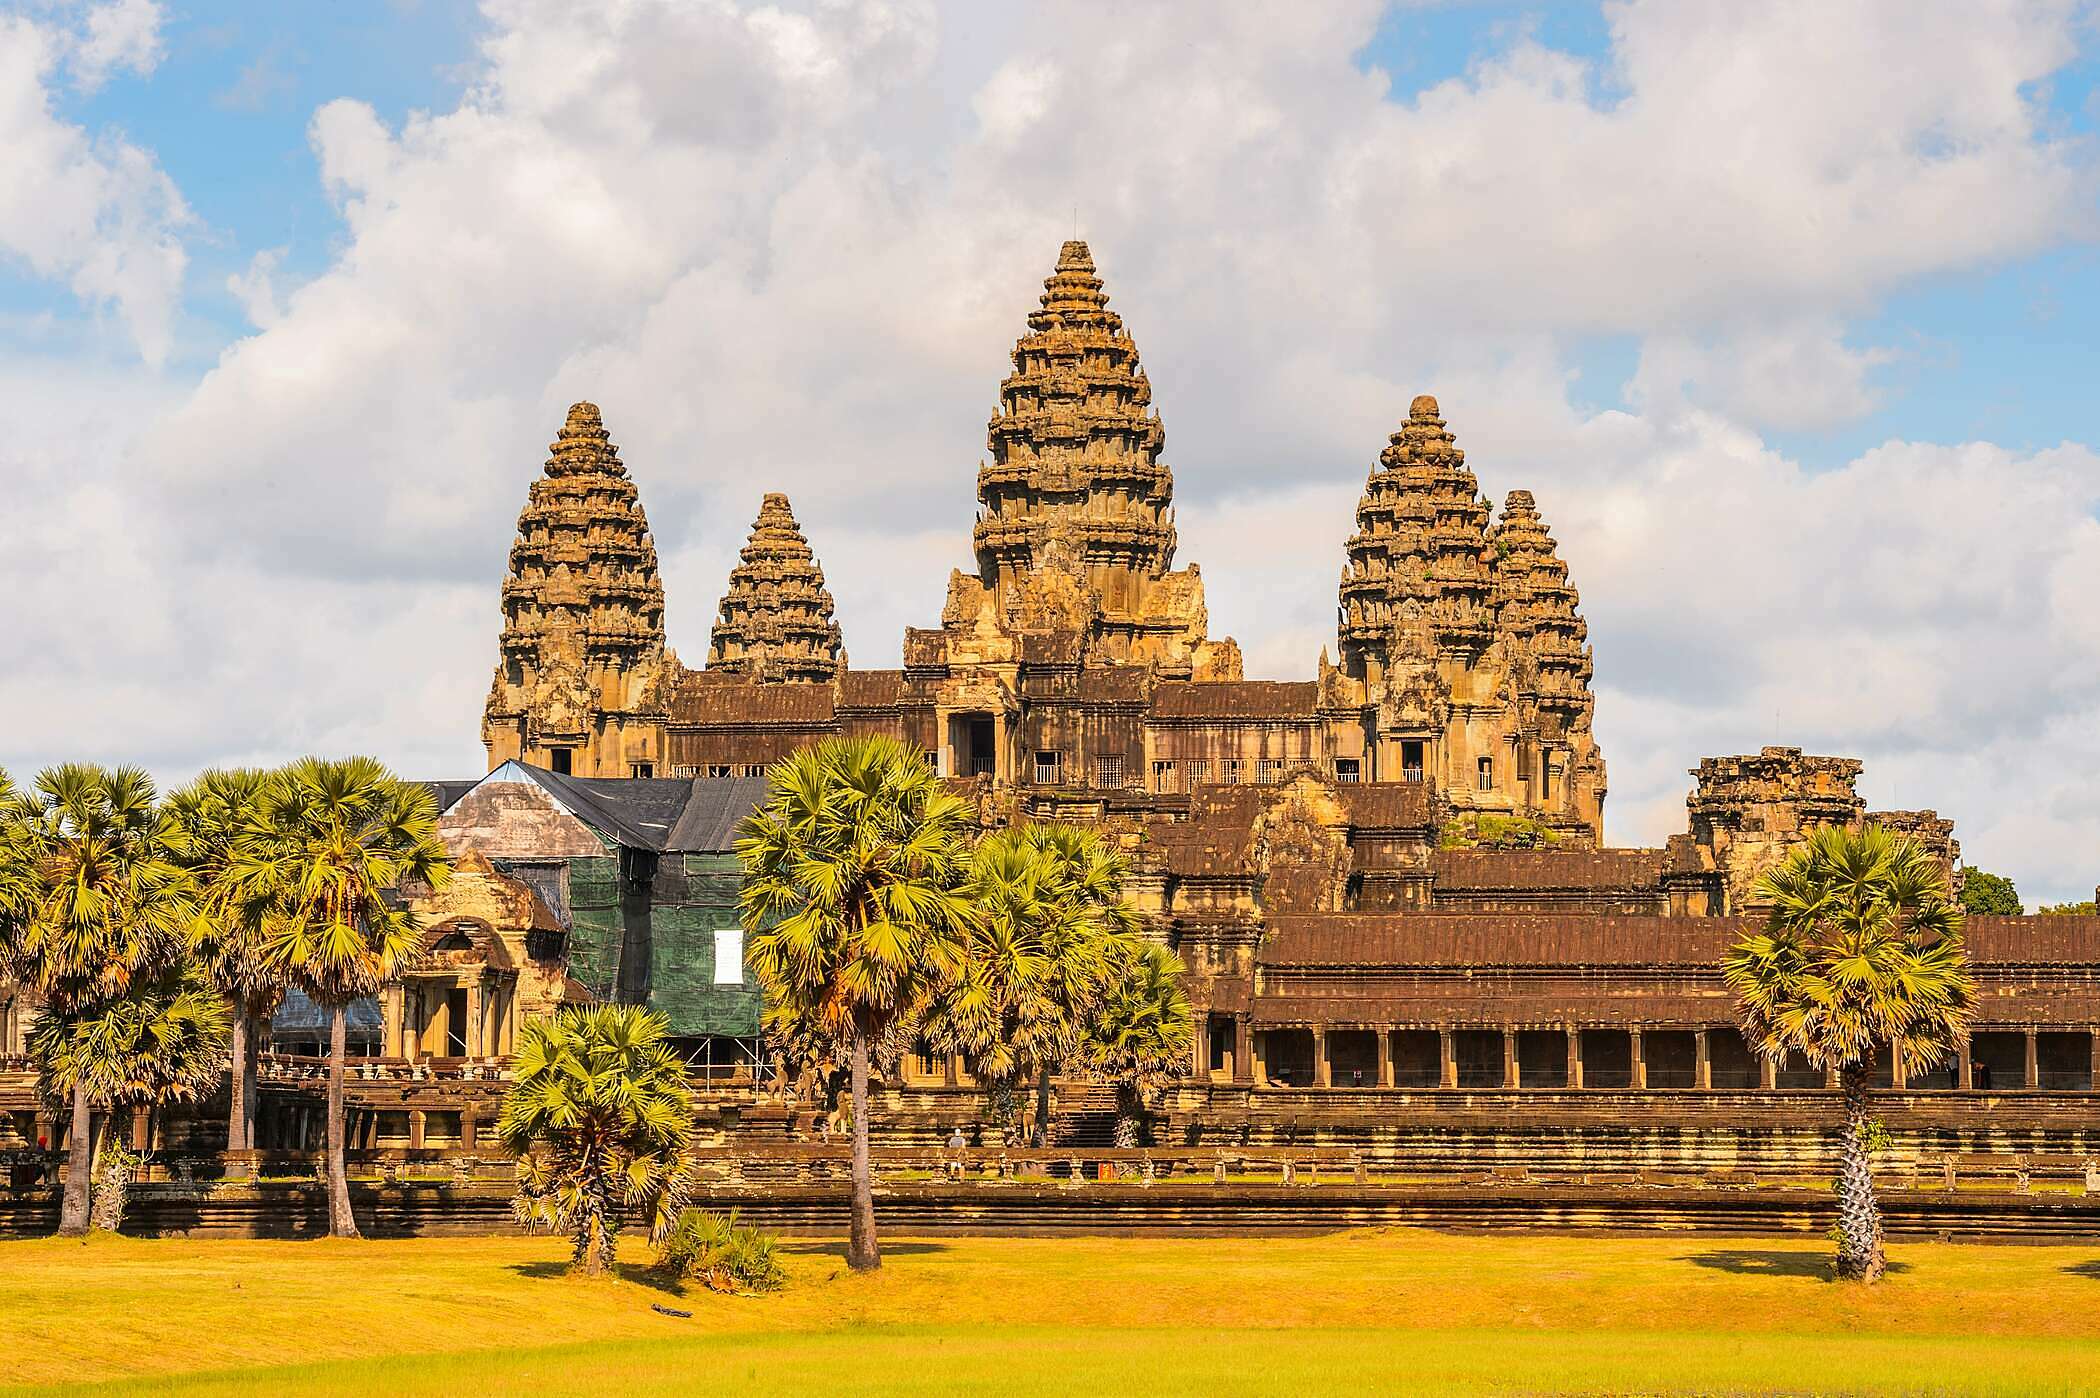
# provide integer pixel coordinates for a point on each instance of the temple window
(1411, 762)
(561, 760)
(1194, 774)
(1163, 776)
(641, 770)
(1552, 772)
(1049, 767)
(1347, 769)
(1232, 771)
(1266, 770)
(718, 769)
(729, 956)
(1487, 774)
(1109, 772)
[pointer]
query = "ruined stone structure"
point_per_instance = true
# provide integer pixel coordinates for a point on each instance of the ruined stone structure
(1389, 875)
(578, 682)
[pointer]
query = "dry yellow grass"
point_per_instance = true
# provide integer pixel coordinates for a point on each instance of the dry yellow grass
(1409, 1310)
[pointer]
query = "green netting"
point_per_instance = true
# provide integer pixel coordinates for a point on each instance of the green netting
(681, 935)
(594, 930)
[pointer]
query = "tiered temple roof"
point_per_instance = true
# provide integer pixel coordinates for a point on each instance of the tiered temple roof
(1537, 612)
(1418, 574)
(1075, 481)
(775, 621)
(583, 608)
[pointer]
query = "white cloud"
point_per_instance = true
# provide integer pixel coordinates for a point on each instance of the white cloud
(96, 214)
(118, 35)
(791, 250)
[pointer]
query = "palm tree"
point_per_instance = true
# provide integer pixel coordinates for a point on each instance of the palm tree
(1141, 1034)
(1862, 949)
(852, 895)
(162, 1041)
(333, 839)
(600, 1117)
(210, 817)
(102, 905)
(1052, 929)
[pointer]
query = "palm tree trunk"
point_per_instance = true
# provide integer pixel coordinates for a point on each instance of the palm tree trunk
(250, 1101)
(1042, 1105)
(863, 1250)
(593, 1247)
(237, 1082)
(1130, 1118)
(1860, 1255)
(341, 1222)
(73, 1207)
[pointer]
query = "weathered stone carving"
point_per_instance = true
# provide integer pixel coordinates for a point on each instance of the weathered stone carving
(775, 621)
(582, 649)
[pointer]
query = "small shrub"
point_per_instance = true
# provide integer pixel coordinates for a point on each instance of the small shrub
(1486, 830)
(720, 1253)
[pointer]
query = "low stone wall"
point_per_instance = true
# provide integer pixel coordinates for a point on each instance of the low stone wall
(1041, 1208)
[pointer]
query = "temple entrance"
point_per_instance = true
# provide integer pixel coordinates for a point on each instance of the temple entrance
(974, 741)
(1542, 1058)
(1222, 1031)
(1418, 1058)
(1672, 1056)
(1730, 1062)
(1352, 1058)
(1607, 1058)
(455, 1024)
(1287, 1057)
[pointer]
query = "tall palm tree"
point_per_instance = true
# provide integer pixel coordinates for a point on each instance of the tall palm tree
(210, 816)
(103, 906)
(1051, 931)
(600, 1117)
(1862, 949)
(852, 894)
(163, 1040)
(335, 839)
(1141, 1035)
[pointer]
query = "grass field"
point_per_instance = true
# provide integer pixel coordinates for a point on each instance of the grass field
(1356, 1312)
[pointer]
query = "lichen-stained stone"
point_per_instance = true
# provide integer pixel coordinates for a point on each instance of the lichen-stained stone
(775, 620)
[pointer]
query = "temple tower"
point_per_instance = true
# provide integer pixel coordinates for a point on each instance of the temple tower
(1544, 642)
(1075, 532)
(1417, 569)
(775, 621)
(577, 686)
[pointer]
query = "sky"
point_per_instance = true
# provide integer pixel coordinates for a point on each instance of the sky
(1786, 314)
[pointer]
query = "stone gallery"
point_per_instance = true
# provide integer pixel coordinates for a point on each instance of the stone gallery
(1402, 930)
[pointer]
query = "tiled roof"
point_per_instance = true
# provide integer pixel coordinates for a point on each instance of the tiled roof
(1240, 699)
(1547, 869)
(1495, 939)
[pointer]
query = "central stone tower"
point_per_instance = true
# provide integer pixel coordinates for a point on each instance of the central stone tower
(1076, 529)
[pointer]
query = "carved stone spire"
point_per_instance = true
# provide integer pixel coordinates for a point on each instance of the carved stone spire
(1418, 562)
(1539, 618)
(583, 612)
(775, 621)
(1075, 482)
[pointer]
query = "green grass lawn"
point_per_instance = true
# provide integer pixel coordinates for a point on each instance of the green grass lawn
(1355, 1312)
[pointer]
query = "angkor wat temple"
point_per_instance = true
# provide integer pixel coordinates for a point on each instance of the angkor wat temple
(1330, 856)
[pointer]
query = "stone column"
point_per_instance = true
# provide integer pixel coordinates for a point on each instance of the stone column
(1243, 1048)
(1323, 1067)
(1703, 1070)
(2034, 1067)
(1509, 1057)
(469, 1128)
(1385, 1058)
(472, 1036)
(1447, 1050)
(1965, 1065)
(1260, 1059)
(391, 1008)
(1640, 1058)
(415, 1130)
(1767, 1073)
(1574, 1056)
(2094, 1036)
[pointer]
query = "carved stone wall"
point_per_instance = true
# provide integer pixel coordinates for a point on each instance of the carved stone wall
(775, 620)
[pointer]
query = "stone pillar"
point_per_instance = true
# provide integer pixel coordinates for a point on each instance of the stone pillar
(2034, 1066)
(472, 1035)
(391, 1007)
(1767, 1073)
(951, 1070)
(1385, 1058)
(469, 1129)
(415, 1130)
(1260, 1057)
(1243, 1048)
(1898, 1079)
(1574, 1056)
(1447, 1050)
(2094, 1047)
(1965, 1065)
(1703, 1069)
(1509, 1057)
(1323, 1067)
(1640, 1058)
